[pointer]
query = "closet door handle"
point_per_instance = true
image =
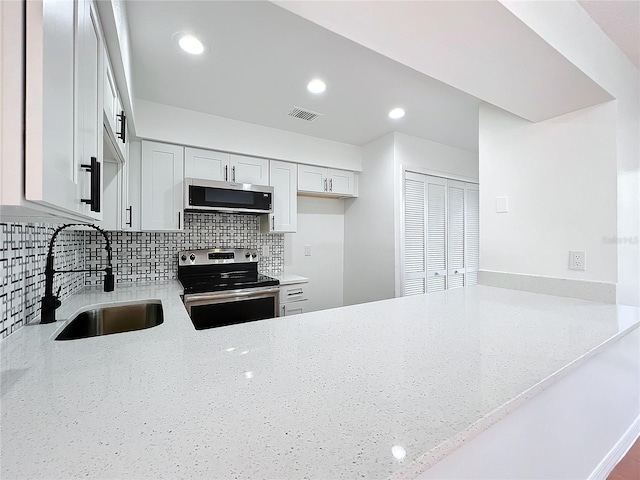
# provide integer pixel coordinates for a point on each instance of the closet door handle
(94, 169)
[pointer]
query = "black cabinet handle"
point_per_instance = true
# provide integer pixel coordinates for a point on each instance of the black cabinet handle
(122, 134)
(226, 173)
(94, 170)
(179, 220)
(130, 222)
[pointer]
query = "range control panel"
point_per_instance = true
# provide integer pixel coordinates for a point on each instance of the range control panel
(217, 256)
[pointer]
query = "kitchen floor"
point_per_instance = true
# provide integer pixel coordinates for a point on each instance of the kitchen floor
(629, 466)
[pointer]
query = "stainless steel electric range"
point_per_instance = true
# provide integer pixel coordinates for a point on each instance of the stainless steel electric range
(223, 287)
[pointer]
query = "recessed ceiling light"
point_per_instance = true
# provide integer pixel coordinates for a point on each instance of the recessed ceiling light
(190, 44)
(316, 86)
(396, 113)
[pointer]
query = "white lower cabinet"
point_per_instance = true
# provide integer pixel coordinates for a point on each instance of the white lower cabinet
(283, 179)
(326, 181)
(293, 298)
(162, 187)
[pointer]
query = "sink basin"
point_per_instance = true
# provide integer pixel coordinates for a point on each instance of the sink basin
(116, 319)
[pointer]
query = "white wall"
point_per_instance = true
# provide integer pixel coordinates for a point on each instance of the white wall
(418, 152)
(570, 30)
(560, 179)
(165, 123)
(369, 229)
(321, 225)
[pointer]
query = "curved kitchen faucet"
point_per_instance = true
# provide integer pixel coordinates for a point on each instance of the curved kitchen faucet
(50, 301)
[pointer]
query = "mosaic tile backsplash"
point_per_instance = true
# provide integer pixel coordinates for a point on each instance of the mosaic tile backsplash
(23, 254)
(145, 256)
(137, 257)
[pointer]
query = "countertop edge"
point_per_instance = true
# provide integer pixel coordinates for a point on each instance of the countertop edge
(433, 456)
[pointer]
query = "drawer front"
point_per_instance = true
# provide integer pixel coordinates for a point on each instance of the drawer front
(293, 293)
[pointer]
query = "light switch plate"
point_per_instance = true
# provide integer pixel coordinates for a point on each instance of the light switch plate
(307, 250)
(577, 260)
(502, 204)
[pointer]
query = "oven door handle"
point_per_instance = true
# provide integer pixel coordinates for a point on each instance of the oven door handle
(229, 294)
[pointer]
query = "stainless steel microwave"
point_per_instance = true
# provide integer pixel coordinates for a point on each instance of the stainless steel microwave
(217, 196)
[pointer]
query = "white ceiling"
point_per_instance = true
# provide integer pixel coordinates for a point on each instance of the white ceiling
(620, 20)
(260, 60)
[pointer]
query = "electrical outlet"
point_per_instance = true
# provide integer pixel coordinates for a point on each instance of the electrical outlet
(265, 251)
(307, 250)
(577, 260)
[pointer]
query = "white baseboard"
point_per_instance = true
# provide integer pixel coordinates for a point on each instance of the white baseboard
(561, 287)
(619, 450)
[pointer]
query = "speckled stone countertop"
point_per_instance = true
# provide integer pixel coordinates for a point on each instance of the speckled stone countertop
(367, 391)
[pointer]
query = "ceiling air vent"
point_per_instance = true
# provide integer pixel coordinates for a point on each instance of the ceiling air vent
(303, 114)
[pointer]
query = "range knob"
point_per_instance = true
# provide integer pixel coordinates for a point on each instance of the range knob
(183, 258)
(255, 254)
(247, 255)
(192, 257)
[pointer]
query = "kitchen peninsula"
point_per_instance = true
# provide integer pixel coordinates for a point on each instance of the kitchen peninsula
(360, 391)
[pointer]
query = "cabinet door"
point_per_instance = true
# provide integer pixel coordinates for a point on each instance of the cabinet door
(456, 234)
(206, 164)
(472, 233)
(312, 179)
(88, 125)
(162, 185)
(51, 170)
(249, 170)
(294, 308)
(283, 178)
(133, 185)
(109, 95)
(341, 182)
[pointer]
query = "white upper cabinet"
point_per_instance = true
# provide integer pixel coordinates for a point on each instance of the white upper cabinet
(88, 125)
(162, 186)
(326, 181)
(312, 179)
(115, 120)
(341, 182)
(206, 164)
(51, 170)
(248, 170)
(283, 179)
(110, 96)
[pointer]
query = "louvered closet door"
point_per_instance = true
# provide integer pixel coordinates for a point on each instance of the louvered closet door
(472, 233)
(414, 274)
(456, 238)
(436, 234)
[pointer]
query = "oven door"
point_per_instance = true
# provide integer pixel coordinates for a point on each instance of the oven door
(217, 309)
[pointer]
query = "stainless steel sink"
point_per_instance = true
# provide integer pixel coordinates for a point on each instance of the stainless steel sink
(116, 319)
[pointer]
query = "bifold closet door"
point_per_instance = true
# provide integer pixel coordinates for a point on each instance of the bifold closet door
(425, 233)
(456, 237)
(472, 233)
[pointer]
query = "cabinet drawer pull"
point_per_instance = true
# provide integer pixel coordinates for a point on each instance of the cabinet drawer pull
(299, 292)
(94, 169)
